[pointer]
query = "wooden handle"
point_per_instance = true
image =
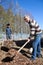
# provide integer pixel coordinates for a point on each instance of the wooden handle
(22, 46)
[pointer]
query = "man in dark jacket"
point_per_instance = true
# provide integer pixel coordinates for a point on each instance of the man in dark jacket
(35, 35)
(8, 31)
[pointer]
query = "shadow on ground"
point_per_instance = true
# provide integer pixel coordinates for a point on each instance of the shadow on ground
(21, 42)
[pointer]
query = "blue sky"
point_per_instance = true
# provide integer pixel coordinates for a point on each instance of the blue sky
(35, 7)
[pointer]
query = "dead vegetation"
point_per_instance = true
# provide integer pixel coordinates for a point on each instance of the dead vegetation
(12, 58)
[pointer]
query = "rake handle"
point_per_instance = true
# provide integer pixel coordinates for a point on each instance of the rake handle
(23, 46)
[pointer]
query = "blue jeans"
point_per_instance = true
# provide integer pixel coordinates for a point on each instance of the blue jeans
(8, 36)
(36, 46)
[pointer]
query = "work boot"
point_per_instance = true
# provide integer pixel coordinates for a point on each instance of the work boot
(39, 56)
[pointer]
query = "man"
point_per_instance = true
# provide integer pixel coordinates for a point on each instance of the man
(8, 31)
(35, 35)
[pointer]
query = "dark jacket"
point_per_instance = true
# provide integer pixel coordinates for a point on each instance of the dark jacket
(8, 31)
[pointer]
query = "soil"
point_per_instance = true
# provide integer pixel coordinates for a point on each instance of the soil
(11, 57)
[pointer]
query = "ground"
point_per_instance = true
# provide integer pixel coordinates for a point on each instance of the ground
(12, 57)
